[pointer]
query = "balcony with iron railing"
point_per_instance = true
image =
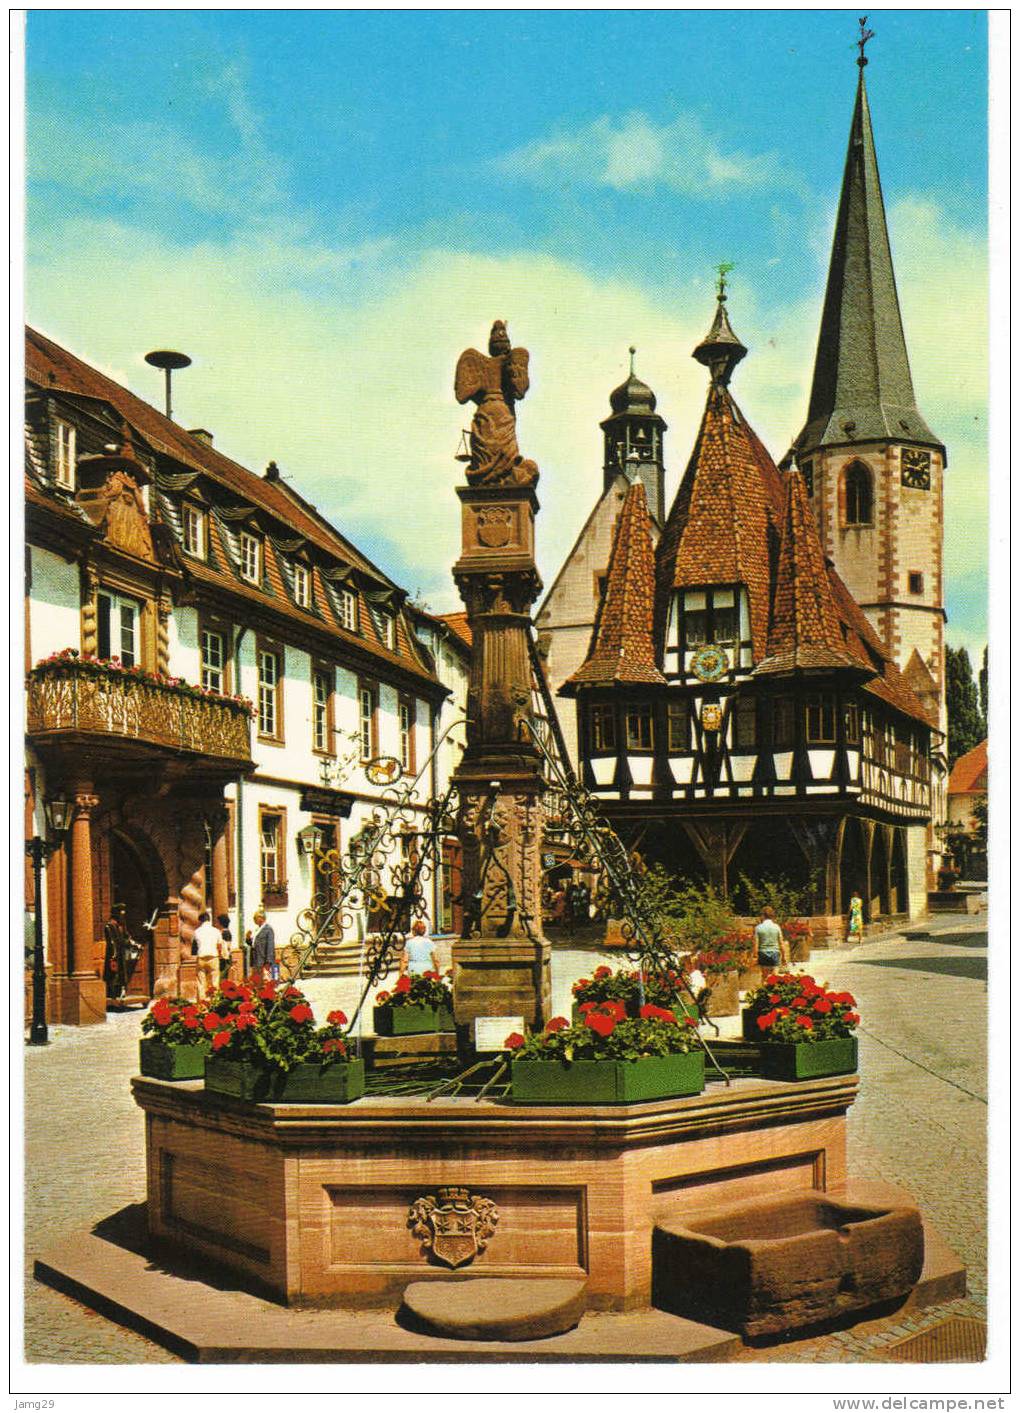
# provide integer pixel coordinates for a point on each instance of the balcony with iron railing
(72, 697)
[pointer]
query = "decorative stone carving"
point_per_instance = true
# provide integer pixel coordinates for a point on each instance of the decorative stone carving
(494, 383)
(118, 509)
(453, 1227)
(495, 526)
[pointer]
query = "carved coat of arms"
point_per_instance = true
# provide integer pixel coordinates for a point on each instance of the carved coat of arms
(453, 1226)
(495, 526)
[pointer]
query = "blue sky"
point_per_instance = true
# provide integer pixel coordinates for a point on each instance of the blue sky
(323, 209)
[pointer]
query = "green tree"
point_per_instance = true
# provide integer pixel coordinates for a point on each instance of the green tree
(983, 686)
(966, 726)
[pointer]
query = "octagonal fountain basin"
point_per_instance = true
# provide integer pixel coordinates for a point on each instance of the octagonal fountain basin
(770, 1266)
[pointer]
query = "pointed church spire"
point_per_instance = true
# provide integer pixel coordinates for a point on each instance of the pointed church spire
(720, 350)
(862, 389)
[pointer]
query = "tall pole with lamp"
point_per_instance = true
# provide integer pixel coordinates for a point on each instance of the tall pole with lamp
(58, 817)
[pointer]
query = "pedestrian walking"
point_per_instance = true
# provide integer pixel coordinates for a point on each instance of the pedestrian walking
(207, 944)
(772, 945)
(419, 954)
(223, 923)
(855, 918)
(263, 947)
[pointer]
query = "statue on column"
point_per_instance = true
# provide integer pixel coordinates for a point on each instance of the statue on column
(495, 382)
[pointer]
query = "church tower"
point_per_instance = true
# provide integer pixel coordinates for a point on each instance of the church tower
(633, 432)
(871, 465)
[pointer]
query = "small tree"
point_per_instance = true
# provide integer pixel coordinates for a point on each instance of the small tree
(785, 898)
(966, 724)
(983, 687)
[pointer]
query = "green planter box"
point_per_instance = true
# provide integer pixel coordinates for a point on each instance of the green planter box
(686, 1006)
(810, 1060)
(161, 1061)
(607, 1081)
(304, 1084)
(411, 1020)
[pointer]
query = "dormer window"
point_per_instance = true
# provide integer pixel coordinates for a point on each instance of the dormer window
(349, 610)
(709, 616)
(65, 446)
(302, 586)
(388, 630)
(251, 558)
(193, 528)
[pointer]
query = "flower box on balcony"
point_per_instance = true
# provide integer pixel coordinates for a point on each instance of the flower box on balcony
(336, 1083)
(810, 1060)
(159, 1060)
(608, 1081)
(411, 1020)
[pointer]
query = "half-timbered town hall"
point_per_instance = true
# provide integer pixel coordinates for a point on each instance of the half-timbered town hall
(758, 680)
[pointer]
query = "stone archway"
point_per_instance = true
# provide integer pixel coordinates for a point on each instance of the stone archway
(899, 891)
(878, 873)
(138, 884)
(853, 865)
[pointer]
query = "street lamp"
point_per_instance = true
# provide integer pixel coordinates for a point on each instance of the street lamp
(58, 817)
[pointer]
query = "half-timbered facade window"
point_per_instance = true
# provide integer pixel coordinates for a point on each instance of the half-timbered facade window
(640, 735)
(117, 628)
(405, 725)
(820, 718)
(251, 558)
(782, 722)
(745, 723)
(322, 710)
(852, 723)
(349, 610)
(367, 697)
(709, 616)
(269, 704)
(193, 527)
(273, 856)
(678, 726)
(66, 443)
(302, 586)
(603, 728)
(213, 659)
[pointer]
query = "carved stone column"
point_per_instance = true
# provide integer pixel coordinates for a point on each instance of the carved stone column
(219, 892)
(163, 607)
(501, 964)
(81, 995)
(89, 610)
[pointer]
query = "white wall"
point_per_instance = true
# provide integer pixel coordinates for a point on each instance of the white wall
(54, 605)
(917, 870)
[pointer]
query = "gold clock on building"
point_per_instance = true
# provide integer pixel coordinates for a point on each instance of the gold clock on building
(709, 662)
(915, 468)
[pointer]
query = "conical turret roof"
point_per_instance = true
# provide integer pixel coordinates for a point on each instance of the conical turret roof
(862, 389)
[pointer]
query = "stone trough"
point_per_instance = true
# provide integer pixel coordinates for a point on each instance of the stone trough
(769, 1267)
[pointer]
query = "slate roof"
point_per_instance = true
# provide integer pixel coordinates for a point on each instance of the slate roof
(969, 775)
(805, 631)
(862, 389)
(622, 646)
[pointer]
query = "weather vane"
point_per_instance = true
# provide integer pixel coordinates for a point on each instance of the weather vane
(866, 34)
(724, 269)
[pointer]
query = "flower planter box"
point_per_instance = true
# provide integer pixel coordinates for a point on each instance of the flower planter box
(749, 1024)
(411, 1020)
(800, 948)
(812, 1060)
(724, 999)
(161, 1061)
(607, 1081)
(338, 1083)
(750, 979)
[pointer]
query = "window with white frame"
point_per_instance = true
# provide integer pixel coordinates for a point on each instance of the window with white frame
(251, 558)
(405, 715)
(603, 727)
(638, 720)
(271, 853)
(366, 721)
(388, 629)
(66, 442)
(322, 693)
(269, 692)
(678, 725)
(349, 610)
(213, 652)
(302, 586)
(117, 625)
(193, 525)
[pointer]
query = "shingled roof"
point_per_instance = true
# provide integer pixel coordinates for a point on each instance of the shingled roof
(804, 632)
(723, 519)
(862, 389)
(622, 647)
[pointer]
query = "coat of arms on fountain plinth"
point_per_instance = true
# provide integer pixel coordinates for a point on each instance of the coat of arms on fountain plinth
(453, 1227)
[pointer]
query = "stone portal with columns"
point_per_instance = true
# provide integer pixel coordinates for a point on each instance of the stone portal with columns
(501, 963)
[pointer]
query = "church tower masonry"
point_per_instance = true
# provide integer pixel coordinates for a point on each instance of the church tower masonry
(872, 467)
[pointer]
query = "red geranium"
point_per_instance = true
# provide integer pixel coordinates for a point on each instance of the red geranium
(301, 1013)
(558, 1023)
(336, 1018)
(766, 1021)
(822, 1006)
(602, 971)
(221, 1039)
(211, 1021)
(649, 1012)
(513, 1041)
(806, 1022)
(601, 1023)
(403, 983)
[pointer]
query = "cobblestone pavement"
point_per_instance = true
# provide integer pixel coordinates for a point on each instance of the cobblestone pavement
(920, 1121)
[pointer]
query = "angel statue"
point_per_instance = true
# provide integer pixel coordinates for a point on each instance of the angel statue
(495, 382)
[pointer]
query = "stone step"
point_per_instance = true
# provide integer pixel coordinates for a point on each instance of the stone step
(503, 1309)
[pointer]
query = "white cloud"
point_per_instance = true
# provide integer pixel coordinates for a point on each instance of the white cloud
(631, 152)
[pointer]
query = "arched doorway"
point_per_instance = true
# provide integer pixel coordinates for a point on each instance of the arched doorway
(900, 900)
(853, 873)
(138, 883)
(878, 891)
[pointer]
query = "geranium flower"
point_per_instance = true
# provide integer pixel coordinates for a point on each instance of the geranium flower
(600, 1023)
(806, 1022)
(245, 1019)
(336, 1018)
(558, 1023)
(587, 1006)
(211, 1021)
(301, 1013)
(800, 1002)
(853, 1018)
(766, 1021)
(221, 1040)
(822, 1006)
(382, 998)
(333, 1046)
(775, 998)
(582, 983)
(293, 993)
(649, 1012)
(403, 984)
(432, 976)
(161, 1013)
(600, 972)
(189, 1022)
(513, 1041)
(268, 992)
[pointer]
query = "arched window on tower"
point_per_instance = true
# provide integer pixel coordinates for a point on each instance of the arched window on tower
(857, 490)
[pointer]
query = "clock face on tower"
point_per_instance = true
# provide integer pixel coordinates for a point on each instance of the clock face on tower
(915, 469)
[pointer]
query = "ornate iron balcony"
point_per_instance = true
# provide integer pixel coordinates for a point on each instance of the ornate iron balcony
(70, 696)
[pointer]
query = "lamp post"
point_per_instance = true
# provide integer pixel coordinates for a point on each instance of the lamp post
(58, 815)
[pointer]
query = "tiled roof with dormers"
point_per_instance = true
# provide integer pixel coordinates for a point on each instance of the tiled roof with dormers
(804, 630)
(969, 775)
(888, 684)
(622, 645)
(723, 522)
(237, 499)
